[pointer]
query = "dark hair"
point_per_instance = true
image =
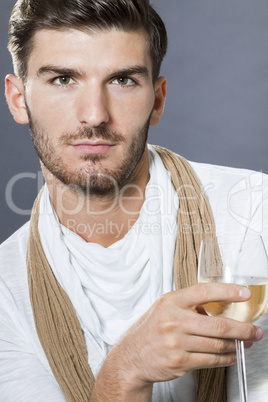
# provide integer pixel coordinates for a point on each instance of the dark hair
(29, 16)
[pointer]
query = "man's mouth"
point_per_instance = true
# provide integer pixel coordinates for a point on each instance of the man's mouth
(92, 147)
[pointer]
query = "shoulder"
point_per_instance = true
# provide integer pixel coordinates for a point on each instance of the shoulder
(238, 197)
(208, 172)
(15, 246)
(15, 306)
(232, 183)
(219, 177)
(13, 259)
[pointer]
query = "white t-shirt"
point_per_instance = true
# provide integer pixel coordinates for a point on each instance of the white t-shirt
(112, 287)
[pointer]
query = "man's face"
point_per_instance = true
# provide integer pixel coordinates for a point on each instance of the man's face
(89, 99)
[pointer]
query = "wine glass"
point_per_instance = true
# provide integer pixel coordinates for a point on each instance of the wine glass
(241, 259)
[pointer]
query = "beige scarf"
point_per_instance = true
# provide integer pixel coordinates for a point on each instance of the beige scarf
(56, 322)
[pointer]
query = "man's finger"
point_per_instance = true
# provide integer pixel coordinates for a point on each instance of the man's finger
(210, 292)
(221, 328)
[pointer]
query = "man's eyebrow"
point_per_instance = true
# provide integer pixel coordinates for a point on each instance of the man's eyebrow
(58, 71)
(140, 70)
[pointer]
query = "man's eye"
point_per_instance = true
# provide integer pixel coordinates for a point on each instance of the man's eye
(123, 81)
(63, 81)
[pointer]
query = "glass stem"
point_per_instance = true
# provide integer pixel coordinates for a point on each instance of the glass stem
(241, 367)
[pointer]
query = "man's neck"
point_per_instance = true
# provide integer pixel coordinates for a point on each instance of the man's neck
(100, 219)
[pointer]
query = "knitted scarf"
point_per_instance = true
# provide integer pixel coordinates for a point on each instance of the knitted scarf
(56, 322)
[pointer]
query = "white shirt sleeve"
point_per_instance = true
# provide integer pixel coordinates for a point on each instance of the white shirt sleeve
(25, 375)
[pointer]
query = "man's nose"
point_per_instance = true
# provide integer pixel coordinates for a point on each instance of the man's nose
(92, 106)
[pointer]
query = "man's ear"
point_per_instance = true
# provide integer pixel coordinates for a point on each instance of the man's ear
(15, 99)
(160, 96)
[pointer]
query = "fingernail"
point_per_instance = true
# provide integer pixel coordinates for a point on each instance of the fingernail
(259, 334)
(244, 293)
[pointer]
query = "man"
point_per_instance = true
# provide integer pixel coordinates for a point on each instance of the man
(88, 307)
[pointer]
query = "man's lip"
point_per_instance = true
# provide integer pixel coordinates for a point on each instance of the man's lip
(89, 147)
(91, 143)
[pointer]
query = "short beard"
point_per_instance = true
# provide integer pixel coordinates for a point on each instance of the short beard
(91, 179)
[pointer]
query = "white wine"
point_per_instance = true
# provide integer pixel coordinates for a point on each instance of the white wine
(247, 311)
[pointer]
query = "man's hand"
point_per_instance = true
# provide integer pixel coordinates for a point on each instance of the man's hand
(172, 338)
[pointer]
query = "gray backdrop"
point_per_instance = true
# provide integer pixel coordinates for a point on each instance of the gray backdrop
(216, 109)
